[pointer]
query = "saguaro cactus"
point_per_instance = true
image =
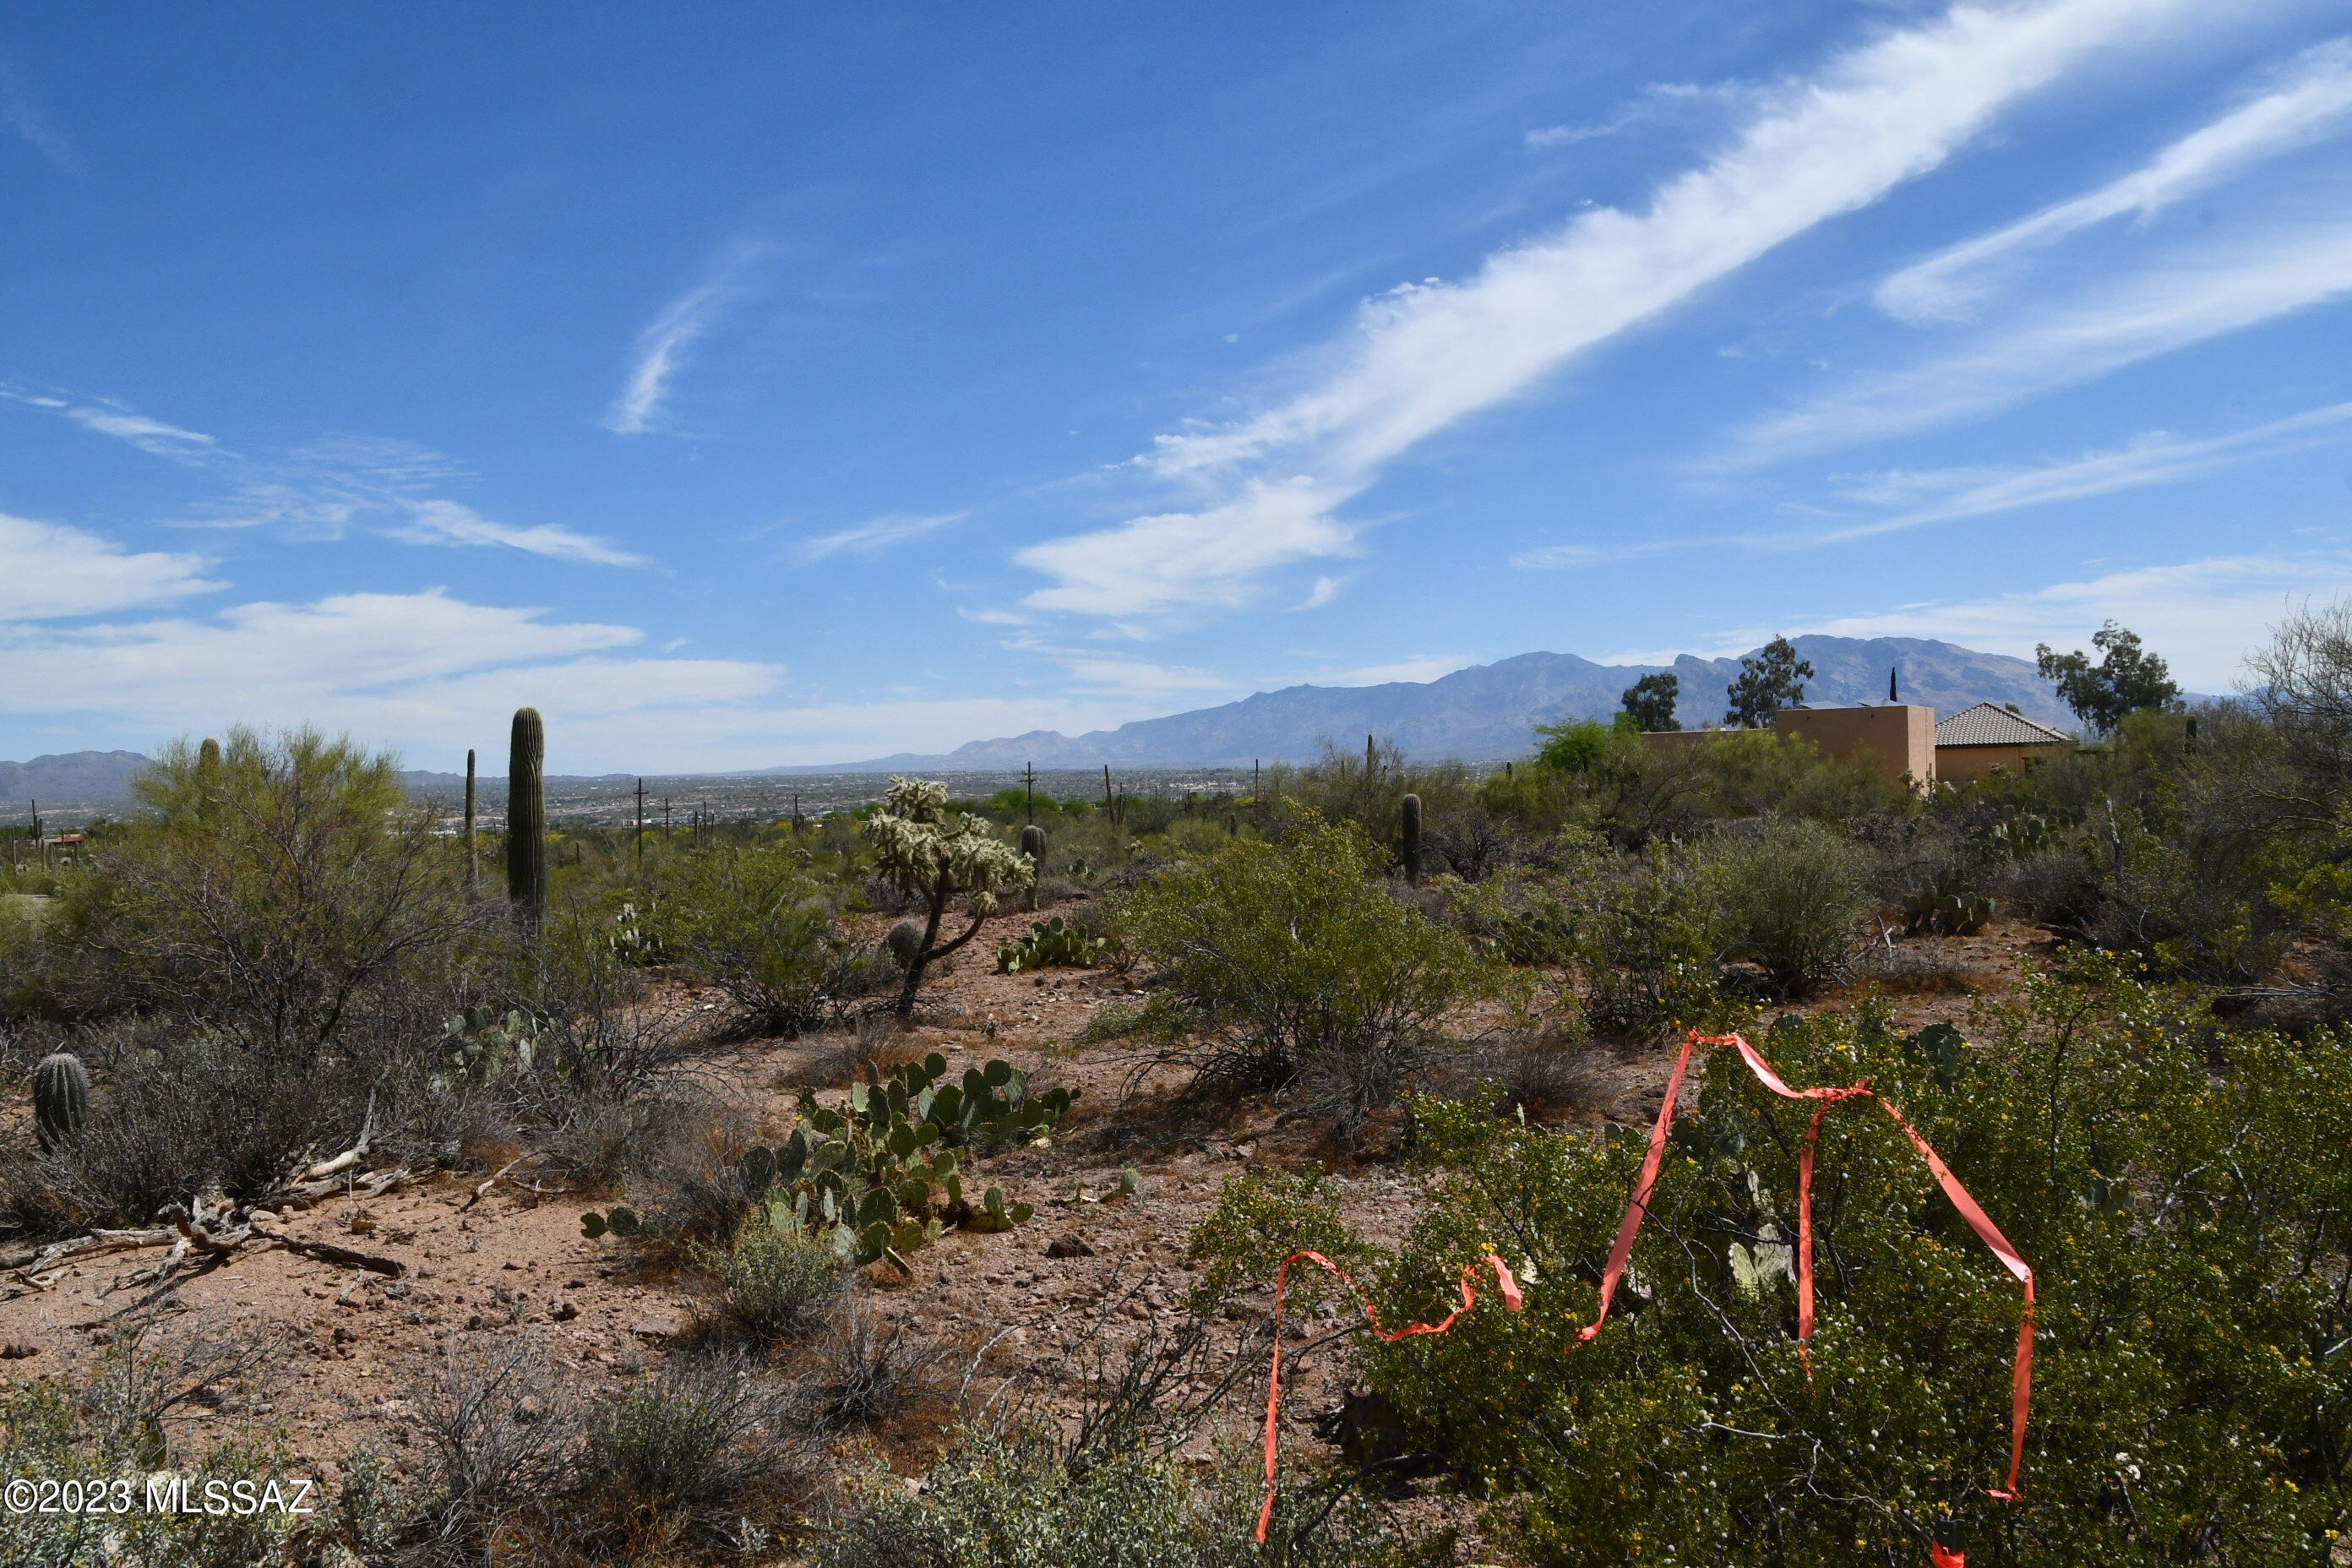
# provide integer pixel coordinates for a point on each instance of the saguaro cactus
(526, 816)
(1032, 845)
(60, 1099)
(1410, 838)
(208, 779)
(473, 856)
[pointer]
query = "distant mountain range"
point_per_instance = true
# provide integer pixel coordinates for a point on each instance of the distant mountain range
(70, 778)
(1483, 713)
(1488, 711)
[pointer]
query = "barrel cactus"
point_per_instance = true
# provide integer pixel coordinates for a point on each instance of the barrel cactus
(1411, 835)
(905, 942)
(526, 816)
(60, 1101)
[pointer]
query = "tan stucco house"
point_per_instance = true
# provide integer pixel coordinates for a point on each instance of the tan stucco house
(1977, 741)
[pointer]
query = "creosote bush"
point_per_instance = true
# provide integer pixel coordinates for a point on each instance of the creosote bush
(1296, 963)
(1786, 898)
(2191, 1403)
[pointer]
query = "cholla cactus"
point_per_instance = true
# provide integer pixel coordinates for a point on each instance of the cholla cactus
(940, 857)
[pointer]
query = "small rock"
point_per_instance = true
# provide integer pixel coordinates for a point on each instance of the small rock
(343, 1335)
(565, 1312)
(1069, 1244)
(17, 1350)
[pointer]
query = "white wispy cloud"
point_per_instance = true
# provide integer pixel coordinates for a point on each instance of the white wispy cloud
(878, 533)
(1563, 557)
(321, 490)
(109, 419)
(51, 571)
(1913, 498)
(432, 674)
(1326, 589)
(2192, 294)
(147, 435)
(2155, 458)
(2309, 101)
(1661, 100)
(1424, 357)
(661, 345)
(449, 523)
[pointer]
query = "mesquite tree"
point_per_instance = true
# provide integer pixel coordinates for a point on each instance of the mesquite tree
(940, 857)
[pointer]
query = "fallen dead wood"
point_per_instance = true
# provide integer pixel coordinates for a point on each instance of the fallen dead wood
(328, 1252)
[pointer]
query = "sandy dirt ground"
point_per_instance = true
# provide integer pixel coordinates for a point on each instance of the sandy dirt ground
(353, 1348)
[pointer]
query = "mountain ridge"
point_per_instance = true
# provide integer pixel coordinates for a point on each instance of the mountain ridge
(1484, 713)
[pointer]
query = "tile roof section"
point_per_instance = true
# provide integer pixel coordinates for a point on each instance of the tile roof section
(1987, 724)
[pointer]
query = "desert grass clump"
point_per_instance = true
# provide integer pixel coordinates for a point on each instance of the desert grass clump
(696, 1450)
(779, 1284)
(1011, 1501)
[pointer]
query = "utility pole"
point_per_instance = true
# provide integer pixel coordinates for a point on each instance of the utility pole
(665, 819)
(1029, 777)
(641, 828)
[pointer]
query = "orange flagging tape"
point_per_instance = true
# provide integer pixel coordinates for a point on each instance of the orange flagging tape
(2021, 1382)
(1503, 1281)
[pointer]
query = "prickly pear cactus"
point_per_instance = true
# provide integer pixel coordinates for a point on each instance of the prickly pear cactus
(482, 1042)
(60, 1101)
(1050, 943)
(1946, 908)
(875, 1177)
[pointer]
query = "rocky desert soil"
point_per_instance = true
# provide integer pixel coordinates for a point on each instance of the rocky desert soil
(1090, 1271)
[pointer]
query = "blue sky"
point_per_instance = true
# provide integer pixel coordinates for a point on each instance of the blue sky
(747, 383)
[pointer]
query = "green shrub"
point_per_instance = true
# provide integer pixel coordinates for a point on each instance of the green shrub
(1646, 943)
(752, 923)
(1296, 960)
(1787, 899)
(2181, 1195)
(708, 1437)
(779, 1282)
(995, 1502)
(1262, 1217)
(287, 900)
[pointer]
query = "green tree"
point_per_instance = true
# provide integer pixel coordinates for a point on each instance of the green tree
(1771, 678)
(2127, 679)
(271, 890)
(1650, 702)
(1573, 748)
